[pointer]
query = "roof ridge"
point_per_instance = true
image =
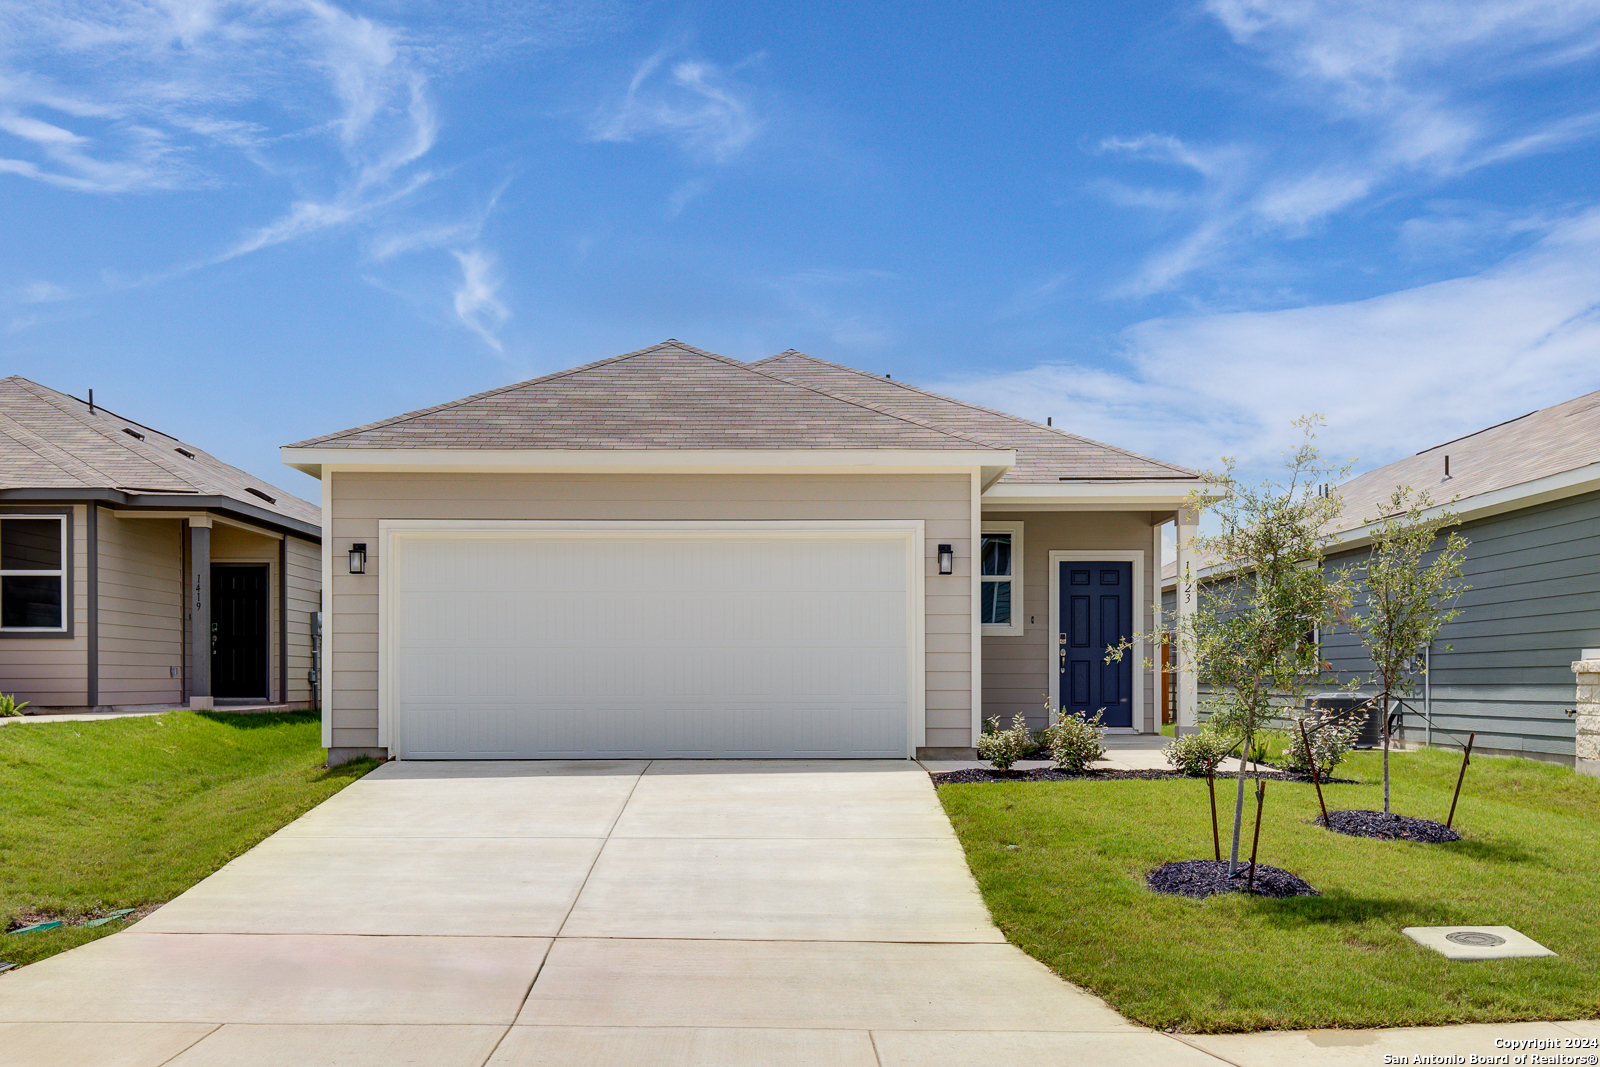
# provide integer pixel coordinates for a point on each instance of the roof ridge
(979, 407)
(407, 416)
(151, 456)
(869, 405)
(672, 343)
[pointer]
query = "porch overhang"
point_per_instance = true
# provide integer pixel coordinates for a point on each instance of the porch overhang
(1149, 494)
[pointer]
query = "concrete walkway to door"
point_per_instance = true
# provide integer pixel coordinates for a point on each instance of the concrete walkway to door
(521, 914)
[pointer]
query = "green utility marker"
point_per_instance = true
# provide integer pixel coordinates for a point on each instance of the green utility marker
(37, 926)
(108, 918)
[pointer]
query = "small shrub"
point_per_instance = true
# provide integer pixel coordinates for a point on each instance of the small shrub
(1199, 754)
(9, 705)
(1332, 734)
(1004, 747)
(1075, 742)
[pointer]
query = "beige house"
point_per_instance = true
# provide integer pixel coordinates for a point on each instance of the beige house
(138, 571)
(671, 553)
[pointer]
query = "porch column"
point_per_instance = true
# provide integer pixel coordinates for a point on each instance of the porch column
(200, 613)
(1188, 519)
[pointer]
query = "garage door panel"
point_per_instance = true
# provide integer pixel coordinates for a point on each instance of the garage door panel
(541, 646)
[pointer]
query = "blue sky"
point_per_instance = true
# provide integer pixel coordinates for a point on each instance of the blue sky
(1171, 226)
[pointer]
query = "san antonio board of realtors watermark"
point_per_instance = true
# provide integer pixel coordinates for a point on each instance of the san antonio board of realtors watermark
(1521, 1052)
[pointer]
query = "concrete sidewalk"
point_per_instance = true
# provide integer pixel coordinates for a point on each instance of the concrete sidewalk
(607, 913)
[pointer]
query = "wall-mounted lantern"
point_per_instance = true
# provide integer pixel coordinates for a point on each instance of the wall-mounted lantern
(358, 558)
(947, 560)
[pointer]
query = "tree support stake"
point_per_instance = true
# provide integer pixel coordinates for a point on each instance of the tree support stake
(1261, 799)
(1466, 757)
(1316, 779)
(1216, 837)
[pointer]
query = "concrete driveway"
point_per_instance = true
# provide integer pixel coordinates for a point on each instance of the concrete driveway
(515, 914)
(669, 914)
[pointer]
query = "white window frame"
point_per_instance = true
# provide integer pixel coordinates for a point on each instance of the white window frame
(60, 574)
(1015, 627)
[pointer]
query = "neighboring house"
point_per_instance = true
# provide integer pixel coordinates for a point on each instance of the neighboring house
(1528, 495)
(139, 571)
(671, 553)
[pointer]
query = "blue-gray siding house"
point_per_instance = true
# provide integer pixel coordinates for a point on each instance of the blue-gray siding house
(1528, 495)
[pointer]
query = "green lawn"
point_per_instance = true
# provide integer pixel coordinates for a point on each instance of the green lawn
(1072, 894)
(126, 813)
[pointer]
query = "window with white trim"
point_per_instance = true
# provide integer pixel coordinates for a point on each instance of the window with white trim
(1000, 574)
(33, 574)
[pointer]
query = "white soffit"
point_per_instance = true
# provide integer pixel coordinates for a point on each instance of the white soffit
(992, 462)
(1153, 494)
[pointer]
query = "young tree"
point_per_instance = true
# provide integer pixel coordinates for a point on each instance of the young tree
(1252, 635)
(1404, 600)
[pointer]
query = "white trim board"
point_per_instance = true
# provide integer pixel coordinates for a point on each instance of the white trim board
(1147, 495)
(909, 531)
(1017, 627)
(325, 602)
(1134, 556)
(992, 463)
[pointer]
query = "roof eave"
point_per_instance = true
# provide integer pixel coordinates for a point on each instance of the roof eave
(1574, 482)
(992, 463)
(168, 501)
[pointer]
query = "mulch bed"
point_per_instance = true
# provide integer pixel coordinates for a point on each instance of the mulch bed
(1389, 827)
(1203, 878)
(1057, 774)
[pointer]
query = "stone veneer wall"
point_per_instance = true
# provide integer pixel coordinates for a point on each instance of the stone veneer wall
(1588, 715)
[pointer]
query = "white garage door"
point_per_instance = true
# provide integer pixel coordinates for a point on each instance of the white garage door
(536, 645)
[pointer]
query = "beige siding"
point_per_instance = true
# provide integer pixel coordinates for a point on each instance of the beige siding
(53, 671)
(304, 569)
(360, 500)
(1016, 670)
(141, 610)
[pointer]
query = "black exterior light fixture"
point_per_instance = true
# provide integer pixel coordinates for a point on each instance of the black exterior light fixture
(947, 560)
(358, 558)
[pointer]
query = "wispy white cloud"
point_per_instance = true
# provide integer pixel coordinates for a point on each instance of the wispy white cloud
(1404, 93)
(839, 304)
(1394, 374)
(115, 98)
(692, 103)
(477, 299)
(42, 293)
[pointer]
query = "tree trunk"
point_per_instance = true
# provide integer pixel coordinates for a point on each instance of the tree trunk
(1238, 810)
(1386, 752)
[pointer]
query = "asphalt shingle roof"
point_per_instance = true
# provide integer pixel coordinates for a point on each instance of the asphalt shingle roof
(1541, 443)
(669, 395)
(1044, 454)
(50, 440)
(673, 395)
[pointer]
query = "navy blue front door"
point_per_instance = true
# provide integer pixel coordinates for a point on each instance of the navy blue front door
(1096, 612)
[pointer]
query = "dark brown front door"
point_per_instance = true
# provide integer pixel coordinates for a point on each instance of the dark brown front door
(240, 610)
